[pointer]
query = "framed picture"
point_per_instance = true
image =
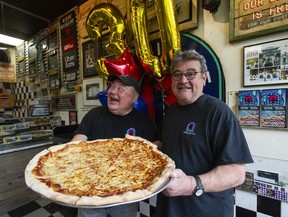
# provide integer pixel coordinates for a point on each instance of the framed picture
(21, 52)
(73, 119)
(32, 52)
(90, 52)
(32, 68)
(91, 88)
(53, 40)
(21, 68)
(53, 61)
(53, 81)
(104, 41)
(186, 14)
(266, 63)
(44, 45)
(249, 19)
(64, 102)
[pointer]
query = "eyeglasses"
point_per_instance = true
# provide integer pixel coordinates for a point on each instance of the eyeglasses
(188, 75)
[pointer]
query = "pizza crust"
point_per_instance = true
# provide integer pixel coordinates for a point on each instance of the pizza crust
(127, 196)
(127, 136)
(47, 192)
(33, 182)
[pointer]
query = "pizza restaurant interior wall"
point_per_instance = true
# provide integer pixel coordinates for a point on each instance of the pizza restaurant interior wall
(213, 28)
(269, 146)
(265, 144)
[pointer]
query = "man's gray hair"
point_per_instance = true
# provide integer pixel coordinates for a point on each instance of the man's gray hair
(182, 56)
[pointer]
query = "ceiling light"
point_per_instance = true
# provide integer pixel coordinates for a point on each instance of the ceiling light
(10, 40)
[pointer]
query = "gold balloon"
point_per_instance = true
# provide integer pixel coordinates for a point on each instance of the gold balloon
(169, 31)
(101, 68)
(106, 14)
(150, 63)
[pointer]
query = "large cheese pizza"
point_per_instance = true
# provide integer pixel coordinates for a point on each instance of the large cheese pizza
(99, 172)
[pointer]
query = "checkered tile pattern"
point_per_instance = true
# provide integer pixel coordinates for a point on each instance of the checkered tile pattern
(22, 94)
(42, 208)
(252, 205)
(45, 208)
(147, 207)
(246, 205)
(22, 91)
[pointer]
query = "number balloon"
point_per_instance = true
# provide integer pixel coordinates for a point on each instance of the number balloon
(101, 68)
(169, 31)
(150, 63)
(106, 14)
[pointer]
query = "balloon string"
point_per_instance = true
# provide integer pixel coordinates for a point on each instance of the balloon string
(163, 95)
(163, 101)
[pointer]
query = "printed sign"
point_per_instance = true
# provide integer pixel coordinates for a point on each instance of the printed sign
(257, 17)
(249, 107)
(7, 73)
(68, 27)
(65, 102)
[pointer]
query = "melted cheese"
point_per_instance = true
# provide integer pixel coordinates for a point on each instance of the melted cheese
(101, 168)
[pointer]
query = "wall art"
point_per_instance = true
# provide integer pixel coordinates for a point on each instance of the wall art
(91, 88)
(266, 63)
(252, 18)
(90, 51)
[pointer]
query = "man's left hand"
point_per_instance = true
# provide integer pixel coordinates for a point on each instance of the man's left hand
(180, 184)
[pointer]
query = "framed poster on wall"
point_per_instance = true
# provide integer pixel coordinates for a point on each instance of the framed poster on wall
(266, 63)
(21, 52)
(21, 68)
(91, 88)
(32, 52)
(32, 68)
(255, 18)
(69, 41)
(90, 52)
(53, 62)
(73, 119)
(53, 40)
(186, 12)
(65, 102)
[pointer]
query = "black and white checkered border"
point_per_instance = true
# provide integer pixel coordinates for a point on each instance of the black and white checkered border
(23, 92)
(246, 205)
(252, 205)
(147, 208)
